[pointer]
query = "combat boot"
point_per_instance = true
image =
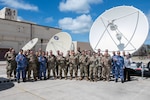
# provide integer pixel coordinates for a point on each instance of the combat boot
(60, 77)
(15, 76)
(95, 80)
(65, 78)
(100, 78)
(104, 79)
(76, 77)
(35, 79)
(45, 78)
(91, 80)
(48, 77)
(29, 78)
(80, 78)
(108, 80)
(55, 77)
(18, 81)
(116, 80)
(87, 78)
(24, 79)
(70, 77)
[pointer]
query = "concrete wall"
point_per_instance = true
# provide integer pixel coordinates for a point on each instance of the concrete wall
(16, 34)
(82, 45)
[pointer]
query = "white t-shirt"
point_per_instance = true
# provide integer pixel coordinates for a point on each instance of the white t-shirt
(127, 62)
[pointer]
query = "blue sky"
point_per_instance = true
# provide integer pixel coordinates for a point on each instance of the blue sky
(73, 16)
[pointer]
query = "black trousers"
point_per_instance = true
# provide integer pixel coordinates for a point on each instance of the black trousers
(127, 73)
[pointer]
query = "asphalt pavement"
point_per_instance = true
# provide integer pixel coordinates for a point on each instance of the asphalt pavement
(136, 89)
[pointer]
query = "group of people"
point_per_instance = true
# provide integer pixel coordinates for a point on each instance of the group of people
(80, 65)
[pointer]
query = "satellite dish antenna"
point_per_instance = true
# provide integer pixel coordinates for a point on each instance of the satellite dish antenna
(61, 41)
(30, 44)
(123, 28)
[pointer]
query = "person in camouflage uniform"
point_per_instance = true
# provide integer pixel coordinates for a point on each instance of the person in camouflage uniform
(58, 54)
(33, 59)
(61, 60)
(83, 66)
(93, 64)
(78, 54)
(106, 62)
(99, 57)
(89, 55)
(73, 65)
(8, 56)
(46, 56)
(67, 61)
(37, 54)
(51, 64)
(26, 54)
(13, 63)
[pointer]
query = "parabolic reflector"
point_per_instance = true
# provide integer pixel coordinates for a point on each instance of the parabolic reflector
(30, 44)
(61, 41)
(123, 28)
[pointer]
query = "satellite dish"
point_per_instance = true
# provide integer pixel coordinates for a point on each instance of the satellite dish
(30, 44)
(122, 28)
(61, 41)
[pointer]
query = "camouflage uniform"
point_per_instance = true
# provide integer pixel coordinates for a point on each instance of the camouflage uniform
(83, 66)
(37, 54)
(61, 66)
(89, 54)
(46, 56)
(8, 56)
(27, 56)
(78, 54)
(13, 63)
(99, 57)
(58, 54)
(93, 67)
(106, 61)
(51, 65)
(67, 62)
(73, 65)
(33, 59)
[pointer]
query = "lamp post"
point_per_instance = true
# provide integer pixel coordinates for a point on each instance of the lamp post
(41, 43)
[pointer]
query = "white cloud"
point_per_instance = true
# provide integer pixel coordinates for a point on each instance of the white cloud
(19, 4)
(79, 25)
(19, 18)
(78, 6)
(49, 19)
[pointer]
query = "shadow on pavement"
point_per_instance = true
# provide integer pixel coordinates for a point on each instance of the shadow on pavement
(5, 84)
(134, 78)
